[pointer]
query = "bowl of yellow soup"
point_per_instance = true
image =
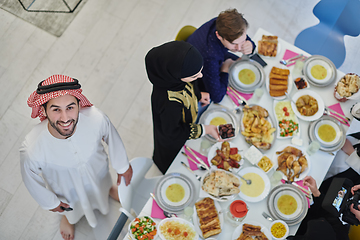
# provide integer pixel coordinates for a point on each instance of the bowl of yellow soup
(288, 205)
(259, 187)
(319, 71)
(327, 133)
(279, 230)
(245, 74)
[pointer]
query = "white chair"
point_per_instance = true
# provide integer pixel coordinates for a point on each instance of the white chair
(134, 196)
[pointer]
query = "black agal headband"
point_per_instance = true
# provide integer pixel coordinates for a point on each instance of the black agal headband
(57, 86)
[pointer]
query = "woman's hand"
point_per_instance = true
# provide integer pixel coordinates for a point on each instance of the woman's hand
(311, 183)
(213, 131)
(205, 98)
(348, 147)
(355, 212)
(355, 188)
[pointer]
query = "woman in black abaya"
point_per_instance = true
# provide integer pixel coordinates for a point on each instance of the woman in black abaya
(172, 68)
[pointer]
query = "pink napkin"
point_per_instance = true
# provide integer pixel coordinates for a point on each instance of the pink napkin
(337, 107)
(301, 183)
(289, 54)
(193, 165)
(156, 211)
(232, 94)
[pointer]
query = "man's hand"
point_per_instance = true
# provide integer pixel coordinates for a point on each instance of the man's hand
(247, 47)
(226, 65)
(58, 208)
(205, 98)
(355, 212)
(348, 147)
(127, 175)
(311, 183)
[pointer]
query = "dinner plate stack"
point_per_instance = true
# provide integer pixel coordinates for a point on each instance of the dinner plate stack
(222, 112)
(175, 178)
(339, 139)
(301, 204)
(246, 63)
(324, 63)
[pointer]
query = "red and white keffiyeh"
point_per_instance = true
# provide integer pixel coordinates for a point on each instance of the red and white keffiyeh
(36, 100)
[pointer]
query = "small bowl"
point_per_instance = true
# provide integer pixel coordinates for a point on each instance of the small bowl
(272, 164)
(286, 228)
(227, 138)
(303, 83)
(132, 235)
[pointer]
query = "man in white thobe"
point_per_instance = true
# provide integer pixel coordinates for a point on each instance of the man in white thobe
(63, 161)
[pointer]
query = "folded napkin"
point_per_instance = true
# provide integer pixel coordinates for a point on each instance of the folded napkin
(232, 94)
(337, 108)
(301, 184)
(193, 165)
(289, 54)
(156, 211)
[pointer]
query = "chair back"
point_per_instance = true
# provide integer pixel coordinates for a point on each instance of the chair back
(185, 33)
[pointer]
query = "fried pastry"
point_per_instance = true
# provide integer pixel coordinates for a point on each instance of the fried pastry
(208, 217)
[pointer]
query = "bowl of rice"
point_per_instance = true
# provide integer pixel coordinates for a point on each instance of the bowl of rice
(279, 230)
(177, 229)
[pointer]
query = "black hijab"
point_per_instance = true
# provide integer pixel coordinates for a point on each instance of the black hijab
(169, 62)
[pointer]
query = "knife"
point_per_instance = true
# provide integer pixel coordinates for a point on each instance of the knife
(238, 95)
(197, 158)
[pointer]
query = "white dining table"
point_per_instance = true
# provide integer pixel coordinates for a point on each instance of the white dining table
(320, 161)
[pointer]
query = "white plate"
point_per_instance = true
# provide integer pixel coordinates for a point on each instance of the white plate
(278, 51)
(220, 199)
(313, 94)
(264, 177)
(245, 65)
(327, 66)
(289, 87)
(175, 181)
(286, 227)
(337, 130)
(197, 223)
(212, 154)
(130, 233)
(299, 205)
(303, 174)
(238, 230)
(296, 120)
(180, 220)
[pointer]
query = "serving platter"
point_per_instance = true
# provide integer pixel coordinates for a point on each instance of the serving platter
(320, 102)
(197, 223)
(172, 178)
(340, 132)
(295, 119)
(179, 220)
(238, 230)
(264, 177)
(324, 62)
(302, 204)
(246, 63)
(219, 111)
(212, 154)
(303, 174)
(289, 86)
(278, 51)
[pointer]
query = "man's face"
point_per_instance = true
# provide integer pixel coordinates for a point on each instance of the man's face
(234, 46)
(63, 115)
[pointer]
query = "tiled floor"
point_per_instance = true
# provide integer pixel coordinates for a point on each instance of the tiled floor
(104, 47)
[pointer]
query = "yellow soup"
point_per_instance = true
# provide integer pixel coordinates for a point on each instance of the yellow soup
(175, 192)
(246, 76)
(216, 121)
(256, 187)
(287, 204)
(327, 133)
(318, 72)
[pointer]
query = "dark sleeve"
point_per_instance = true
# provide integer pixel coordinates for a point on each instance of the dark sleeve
(215, 82)
(172, 126)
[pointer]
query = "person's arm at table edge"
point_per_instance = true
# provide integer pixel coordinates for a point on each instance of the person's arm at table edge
(215, 81)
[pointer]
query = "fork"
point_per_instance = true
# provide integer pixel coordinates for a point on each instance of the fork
(327, 112)
(286, 62)
(197, 176)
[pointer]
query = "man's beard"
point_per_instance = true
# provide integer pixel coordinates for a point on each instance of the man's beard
(68, 132)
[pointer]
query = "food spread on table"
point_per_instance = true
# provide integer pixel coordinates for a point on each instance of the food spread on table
(278, 230)
(208, 217)
(257, 129)
(278, 84)
(249, 231)
(221, 183)
(265, 164)
(307, 105)
(286, 118)
(177, 230)
(348, 85)
(226, 157)
(291, 162)
(267, 46)
(301, 83)
(143, 228)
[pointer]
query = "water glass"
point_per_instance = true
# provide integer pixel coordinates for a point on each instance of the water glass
(257, 95)
(313, 147)
(204, 146)
(188, 213)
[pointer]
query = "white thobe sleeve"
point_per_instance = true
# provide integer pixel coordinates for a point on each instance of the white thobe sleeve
(354, 162)
(117, 152)
(35, 183)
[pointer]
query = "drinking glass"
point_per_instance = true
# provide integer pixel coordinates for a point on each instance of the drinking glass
(188, 213)
(313, 147)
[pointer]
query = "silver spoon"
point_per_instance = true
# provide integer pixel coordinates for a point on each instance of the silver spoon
(166, 214)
